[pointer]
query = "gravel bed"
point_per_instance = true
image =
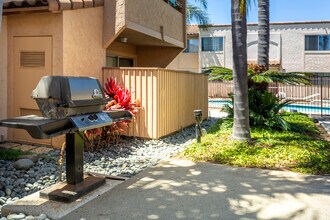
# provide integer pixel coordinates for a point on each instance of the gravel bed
(127, 158)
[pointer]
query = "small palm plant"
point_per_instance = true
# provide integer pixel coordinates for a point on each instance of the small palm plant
(265, 107)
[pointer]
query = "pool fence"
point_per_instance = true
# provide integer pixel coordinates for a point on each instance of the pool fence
(315, 97)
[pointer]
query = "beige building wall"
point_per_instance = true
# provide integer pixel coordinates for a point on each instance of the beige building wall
(3, 75)
(122, 50)
(165, 24)
(114, 20)
(185, 62)
(287, 46)
(82, 42)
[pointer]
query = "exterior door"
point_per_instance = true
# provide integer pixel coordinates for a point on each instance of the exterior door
(32, 59)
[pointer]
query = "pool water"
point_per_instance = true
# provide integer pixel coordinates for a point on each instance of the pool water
(307, 109)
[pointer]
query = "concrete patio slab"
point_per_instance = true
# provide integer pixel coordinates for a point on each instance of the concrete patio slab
(9, 145)
(180, 189)
(25, 147)
(41, 150)
(34, 205)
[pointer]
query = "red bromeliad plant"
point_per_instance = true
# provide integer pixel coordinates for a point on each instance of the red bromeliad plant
(119, 98)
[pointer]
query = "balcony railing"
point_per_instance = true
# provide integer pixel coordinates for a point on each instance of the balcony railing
(177, 4)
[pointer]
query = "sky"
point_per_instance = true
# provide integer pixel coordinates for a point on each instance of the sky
(280, 10)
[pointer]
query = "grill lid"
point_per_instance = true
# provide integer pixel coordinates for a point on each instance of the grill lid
(64, 96)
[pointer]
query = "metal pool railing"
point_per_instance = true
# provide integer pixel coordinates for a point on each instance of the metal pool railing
(311, 99)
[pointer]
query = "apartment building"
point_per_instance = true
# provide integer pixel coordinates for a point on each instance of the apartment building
(294, 46)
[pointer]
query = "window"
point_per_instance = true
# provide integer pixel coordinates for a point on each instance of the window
(115, 61)
(212, 44)
(192, 46)
(317, 42)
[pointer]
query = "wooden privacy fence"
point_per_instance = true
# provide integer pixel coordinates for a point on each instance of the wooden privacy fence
(168, 98)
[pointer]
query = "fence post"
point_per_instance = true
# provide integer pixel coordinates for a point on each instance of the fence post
(321, 79)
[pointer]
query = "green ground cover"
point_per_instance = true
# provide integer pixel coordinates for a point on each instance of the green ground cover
(304, 151)
(11, 154)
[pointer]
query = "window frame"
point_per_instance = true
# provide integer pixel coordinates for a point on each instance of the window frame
(318, 43)
(187, 50)
(221, 46)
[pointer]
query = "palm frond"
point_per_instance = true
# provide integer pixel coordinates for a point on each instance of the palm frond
(202, 3)
(291, 78)
(195, 13)
(220, 73)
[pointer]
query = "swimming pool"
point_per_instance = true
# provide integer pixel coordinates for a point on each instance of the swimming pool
(307, 109)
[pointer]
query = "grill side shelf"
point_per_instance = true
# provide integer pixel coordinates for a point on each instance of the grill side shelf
(40, 127)
(119, 115)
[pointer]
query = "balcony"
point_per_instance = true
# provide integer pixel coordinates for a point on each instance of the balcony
(177, 4)
(150, 22)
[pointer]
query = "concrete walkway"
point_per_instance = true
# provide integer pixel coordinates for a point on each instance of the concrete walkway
(179, 189)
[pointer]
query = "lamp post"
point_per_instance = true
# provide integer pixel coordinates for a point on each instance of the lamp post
(198, 117)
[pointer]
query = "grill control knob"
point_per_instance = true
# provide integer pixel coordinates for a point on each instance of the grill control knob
(92, 117)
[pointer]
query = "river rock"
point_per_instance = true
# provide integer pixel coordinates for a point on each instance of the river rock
(16, 216)
(33, 157)
(23, 164)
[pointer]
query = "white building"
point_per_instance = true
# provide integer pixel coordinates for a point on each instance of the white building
(294, 46)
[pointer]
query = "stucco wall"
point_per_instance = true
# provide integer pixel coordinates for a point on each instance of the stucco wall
(317, 61)
(274, 47)
(221, 58)
(287, 45)
(82, 44)
(160, 14)
(122, 50)
(156, 56)
(185, 62)
(3, 75)
(294, 57)
(114, 20)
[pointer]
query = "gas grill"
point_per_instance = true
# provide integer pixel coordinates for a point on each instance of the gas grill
(69, 105)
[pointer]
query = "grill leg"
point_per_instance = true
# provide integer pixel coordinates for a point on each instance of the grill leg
(76, 186)
(74, 158)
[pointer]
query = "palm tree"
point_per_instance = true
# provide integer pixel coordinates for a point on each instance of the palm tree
(196, 12)
(241, 128)
(263, 33)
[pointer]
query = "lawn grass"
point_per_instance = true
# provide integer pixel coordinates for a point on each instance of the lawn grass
(304, 151)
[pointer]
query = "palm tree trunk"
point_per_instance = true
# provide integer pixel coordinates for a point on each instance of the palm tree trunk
(241, 107)
(263, 33)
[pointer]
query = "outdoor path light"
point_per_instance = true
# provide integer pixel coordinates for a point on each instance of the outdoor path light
(198, 117)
